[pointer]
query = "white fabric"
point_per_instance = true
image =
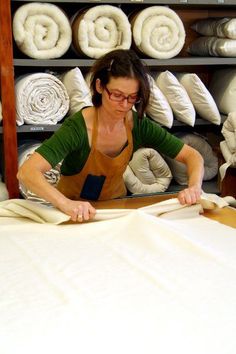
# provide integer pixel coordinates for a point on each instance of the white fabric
(18, 208)
(228, 146)
(40, 99)
(177, 97)
(155, 284)
(52, 176)
(0, 111)
(158, 32)
(147, 172)
(77, 89)
(3, 191)
(213, 46)
(222, 27)
(101, 29)
(179, 170)
(42, 31)
(200, 96)
(223, 89)
(158, 107)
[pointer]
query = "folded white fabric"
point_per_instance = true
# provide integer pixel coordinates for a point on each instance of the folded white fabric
(18, 208)
(200, 96)
(42, 30)
(213, 46)
(77, 89)
(147, 172)
(158, 32)
(218, 27)
(100, 29)
(158, 107)
(228, 146)
(52, 176)
(40, 99)
(179, 170)
(223, 87)
(177, 97)
(0, 111)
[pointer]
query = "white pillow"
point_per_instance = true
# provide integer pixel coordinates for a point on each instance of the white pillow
(179, 170)
(77, 89)
(219, 27)
(3, 191)
(213, 46)
(201, 98)
(158, 107)
(177, 97)
(223, 89)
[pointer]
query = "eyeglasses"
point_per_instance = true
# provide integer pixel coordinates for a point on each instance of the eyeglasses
(119, 97)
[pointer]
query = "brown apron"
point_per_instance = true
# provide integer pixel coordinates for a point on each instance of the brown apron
(101, 178)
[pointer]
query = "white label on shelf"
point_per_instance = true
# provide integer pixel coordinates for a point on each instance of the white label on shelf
(220, 1)
(183, 1)
(36, 129)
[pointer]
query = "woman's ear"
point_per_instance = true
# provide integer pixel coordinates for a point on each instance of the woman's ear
(98, 86)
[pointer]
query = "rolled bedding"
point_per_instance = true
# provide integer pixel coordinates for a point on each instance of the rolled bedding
(199, 143)
(228, 146)
(99, 30)
(213, 46)
(42, 30)
(147, 172)
(158, 32)
(218, 27)
(40, 99)
(52, 176)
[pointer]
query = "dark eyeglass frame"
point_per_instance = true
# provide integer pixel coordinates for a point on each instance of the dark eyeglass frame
(122, 97)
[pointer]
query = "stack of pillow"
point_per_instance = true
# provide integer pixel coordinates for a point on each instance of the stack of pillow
(218, 37)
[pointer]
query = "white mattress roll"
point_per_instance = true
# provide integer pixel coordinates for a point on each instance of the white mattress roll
(42, 30)
(158, 32)
(100, 29)
(40, 99)
(147, 172)
(52, 176)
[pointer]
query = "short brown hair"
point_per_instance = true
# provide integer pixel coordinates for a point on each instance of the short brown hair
(121, 63)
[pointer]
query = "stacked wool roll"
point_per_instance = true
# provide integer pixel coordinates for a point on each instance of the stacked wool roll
(99, 30)
(158, 32)
(218, 37)
(42, 30)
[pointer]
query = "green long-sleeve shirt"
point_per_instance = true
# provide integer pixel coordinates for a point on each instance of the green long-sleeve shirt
(70, 142)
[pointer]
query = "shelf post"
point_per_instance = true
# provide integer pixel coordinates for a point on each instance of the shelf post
(8, 100)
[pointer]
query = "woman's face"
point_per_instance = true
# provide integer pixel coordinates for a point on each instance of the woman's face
(119, 95)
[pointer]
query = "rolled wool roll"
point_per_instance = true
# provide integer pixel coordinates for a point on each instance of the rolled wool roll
(99, 30)
(40, 99)
(42, 30)
(158, 32)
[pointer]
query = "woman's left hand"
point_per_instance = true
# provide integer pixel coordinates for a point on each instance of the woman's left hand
(190, 195)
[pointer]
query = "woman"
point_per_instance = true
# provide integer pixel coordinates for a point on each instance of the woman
(97, 143)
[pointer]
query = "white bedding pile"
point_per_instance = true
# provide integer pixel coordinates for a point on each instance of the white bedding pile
(218, 37)
(228, 146)
(158, 32)
(147, 172)
(41, 98)
(42, 30)
(3, 190)
(137, 284)
(100, 29)
(52, 176)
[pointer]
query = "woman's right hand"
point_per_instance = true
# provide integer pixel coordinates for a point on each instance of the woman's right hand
(79, 211)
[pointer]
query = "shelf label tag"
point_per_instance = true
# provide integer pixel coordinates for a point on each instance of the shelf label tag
(183, 1)
(220, 1)
(36, 129)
